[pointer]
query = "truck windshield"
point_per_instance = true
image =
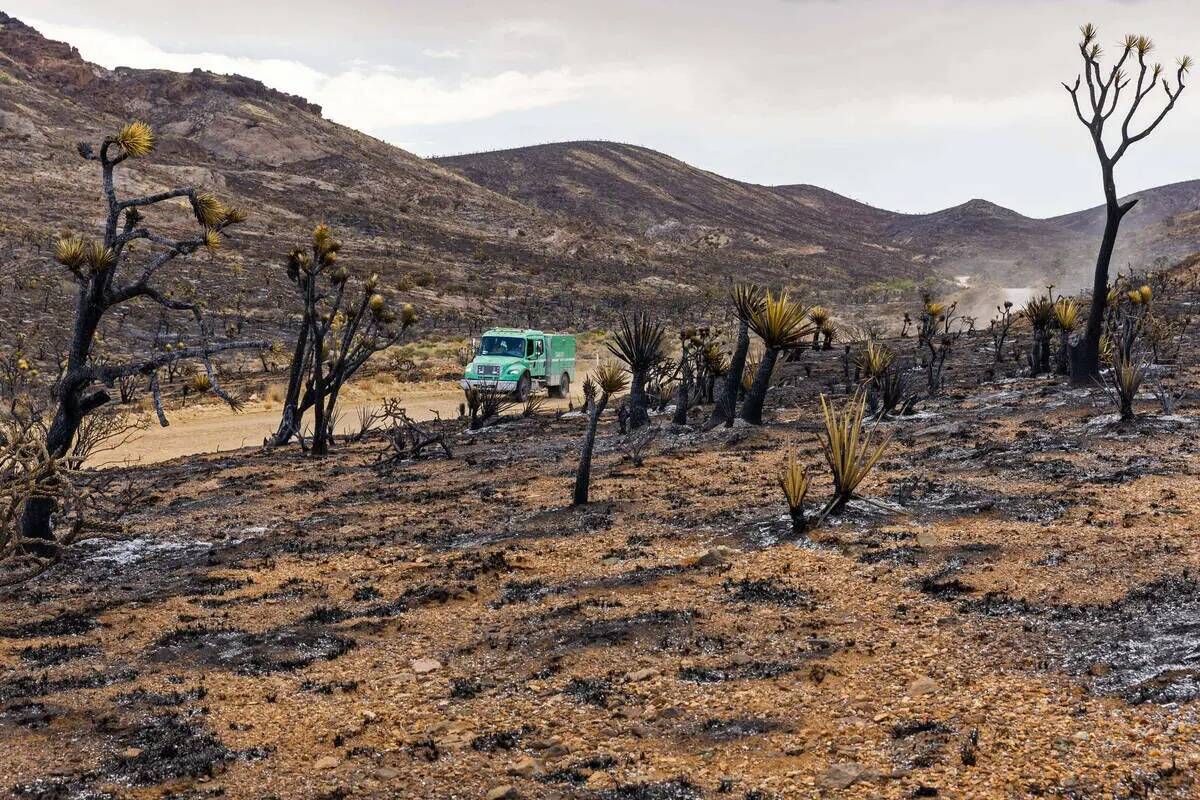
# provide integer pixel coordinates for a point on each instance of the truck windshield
(502, 346)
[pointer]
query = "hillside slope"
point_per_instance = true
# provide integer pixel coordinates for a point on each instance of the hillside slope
(655, 196)
(663, 200)
(460, 249)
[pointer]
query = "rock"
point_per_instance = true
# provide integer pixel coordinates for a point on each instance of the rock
(840, 776)
(1099, 669)
(505, 792)
(422, 666)
(131, 752)
(328, 762)
(387, 773)
(711, 558)
(599, 780)
(525, 768)
(926, 540)
(922, 686)
(642, 674)
(949, 430)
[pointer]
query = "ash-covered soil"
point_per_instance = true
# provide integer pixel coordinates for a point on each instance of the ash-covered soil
(1016, 615)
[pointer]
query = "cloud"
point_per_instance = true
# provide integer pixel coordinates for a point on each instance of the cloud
(448, 54)
(370, 97)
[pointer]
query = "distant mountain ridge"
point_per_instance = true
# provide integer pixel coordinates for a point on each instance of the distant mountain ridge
(648, 193)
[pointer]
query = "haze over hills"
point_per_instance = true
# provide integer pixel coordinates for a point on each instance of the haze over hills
(552, 234)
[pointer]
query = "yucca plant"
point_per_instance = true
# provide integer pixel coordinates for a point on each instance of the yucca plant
(818, 316)
(828, 331)
(795, 482)
(638, 343)
(1039, 311)
(610, 379)
(849, 451)
(873, 359)
(589, 394)
(532, 405)
(781, 323)
(1066, 319)
(884, 379)
(485, 402)
(1124, 381)
(747, 298)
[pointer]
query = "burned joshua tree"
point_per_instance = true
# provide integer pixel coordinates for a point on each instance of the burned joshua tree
(1039, 312)
(781, 323)
(1105, 92)
(1000, 326)
(341, 327)
(1066, 320)
(109, 274)
(747, 298)
(939, 330)
(638, 344)
(610, 380)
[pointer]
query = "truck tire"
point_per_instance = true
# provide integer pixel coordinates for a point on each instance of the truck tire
(564, 387)
(523, 387)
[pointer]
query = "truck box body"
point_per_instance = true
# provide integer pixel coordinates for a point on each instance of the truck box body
(521, 360)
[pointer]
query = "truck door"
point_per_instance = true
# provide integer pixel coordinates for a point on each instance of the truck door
(537, 359)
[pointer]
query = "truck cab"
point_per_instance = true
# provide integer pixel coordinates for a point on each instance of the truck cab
(521, 361)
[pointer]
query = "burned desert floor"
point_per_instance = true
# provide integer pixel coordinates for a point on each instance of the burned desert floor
(1016, 613)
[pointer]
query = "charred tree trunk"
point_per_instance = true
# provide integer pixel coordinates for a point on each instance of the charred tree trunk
(684, 393)
(583, 475)
(723, 409)
(289, 423)
(638, 402)
(1085, 366)
(752, 407)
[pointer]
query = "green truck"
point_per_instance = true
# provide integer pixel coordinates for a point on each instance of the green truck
(521, 360)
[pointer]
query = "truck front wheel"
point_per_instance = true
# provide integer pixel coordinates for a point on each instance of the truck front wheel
(523, 387)
(564, 387)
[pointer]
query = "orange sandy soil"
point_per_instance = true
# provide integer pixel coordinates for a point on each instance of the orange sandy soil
(502, 644)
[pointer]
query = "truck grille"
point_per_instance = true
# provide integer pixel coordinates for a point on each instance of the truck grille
(489, 370)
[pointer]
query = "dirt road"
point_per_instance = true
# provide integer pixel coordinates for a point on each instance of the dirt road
(213, 428)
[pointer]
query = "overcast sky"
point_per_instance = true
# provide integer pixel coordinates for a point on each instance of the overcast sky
(908, 105)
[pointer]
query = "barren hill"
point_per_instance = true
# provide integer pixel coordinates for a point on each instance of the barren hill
(665, 201)
(654, 196)
(461, 249)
